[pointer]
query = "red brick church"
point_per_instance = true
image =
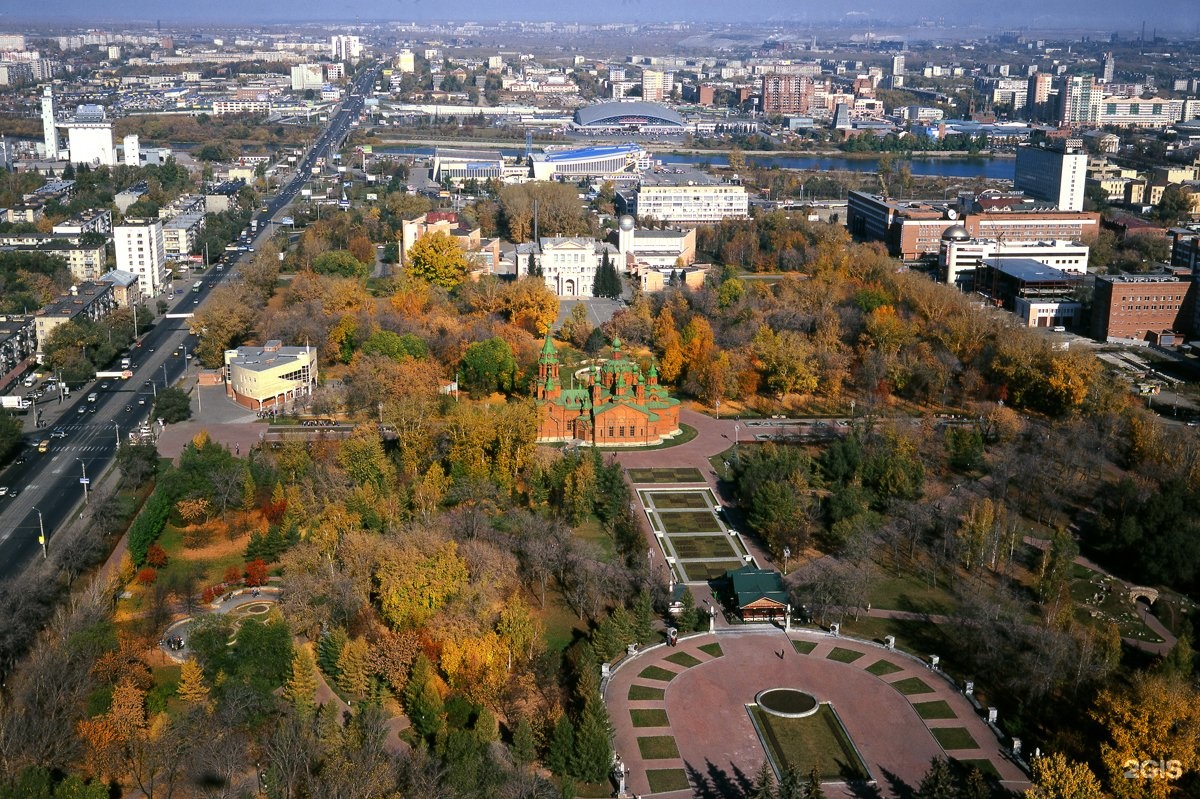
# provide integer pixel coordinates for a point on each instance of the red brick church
(615, 404)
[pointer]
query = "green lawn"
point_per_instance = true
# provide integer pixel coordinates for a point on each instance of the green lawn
(707, 569)
(685, 659)
(882, 667)
(708, 547)
(591, 531)
(643, 692)
(689, 521)
(713, 649)
(559, 623)
(909, 592)
(667, 779)
(842, 655)
(657, 673)
(653, 717)
(658, 747)
(954, 738)
(818, 740)
(938, 709)
(679, 500)
(804, 647)
(666, 474)
(911, 686)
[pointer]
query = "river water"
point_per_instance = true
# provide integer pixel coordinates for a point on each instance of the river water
(958, 167)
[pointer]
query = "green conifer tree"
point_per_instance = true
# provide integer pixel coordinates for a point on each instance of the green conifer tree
(524, 746)
(422, 703)
(643, 617)
(593, 743)
(562, 747)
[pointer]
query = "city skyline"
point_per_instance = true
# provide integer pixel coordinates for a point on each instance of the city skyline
(1177, 17)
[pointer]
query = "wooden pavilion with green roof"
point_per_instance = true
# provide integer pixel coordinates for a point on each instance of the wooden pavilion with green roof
(759, 594)
(615, 404)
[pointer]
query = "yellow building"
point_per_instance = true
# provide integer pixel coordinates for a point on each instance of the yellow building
(271, 376)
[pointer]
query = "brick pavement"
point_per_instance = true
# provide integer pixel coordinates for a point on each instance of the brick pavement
(717, 743)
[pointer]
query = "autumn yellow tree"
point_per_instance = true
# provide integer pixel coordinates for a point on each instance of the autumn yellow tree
(191, 686)
(519, 630)
(413, 585)
(438, 258)
(1056, 777)
(476, 666)
(301, 687)
(1156, 718)
(352, 668)
(531, 305)
(669, 344)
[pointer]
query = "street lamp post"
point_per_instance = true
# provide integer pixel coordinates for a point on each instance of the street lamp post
(736, 428)
(717, 404)
(117, 433)
(41, 534)
(84, 479)
(787, 553)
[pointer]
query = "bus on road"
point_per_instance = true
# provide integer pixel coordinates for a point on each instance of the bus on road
(199, 284)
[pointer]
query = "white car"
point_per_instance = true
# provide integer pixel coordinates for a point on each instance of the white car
(3, 491)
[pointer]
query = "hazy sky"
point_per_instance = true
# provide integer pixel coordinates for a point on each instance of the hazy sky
(1173, 16)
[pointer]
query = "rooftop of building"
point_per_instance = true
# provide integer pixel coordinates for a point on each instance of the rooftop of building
(588, 153)
(119, 277)
(1031, 271)
(679, 176)
(456, 154)
(267, 356)
(615, 111)
(80, 296)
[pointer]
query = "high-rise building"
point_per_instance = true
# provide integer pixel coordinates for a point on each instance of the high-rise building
(787, 94)
(345, 48)
(1055, 175)
(49, 131)
(897, 65)
(406, 61)
(1079, 100)
(133, 151)
(140, 251)
(654, 85)
(1038, 94)
(1110, 68)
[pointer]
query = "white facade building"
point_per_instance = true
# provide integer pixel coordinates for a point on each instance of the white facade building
(140, 251)
(689, 197)
(307, 76)
(569, 263)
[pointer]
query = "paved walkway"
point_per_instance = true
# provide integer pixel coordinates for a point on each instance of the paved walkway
(719, 750)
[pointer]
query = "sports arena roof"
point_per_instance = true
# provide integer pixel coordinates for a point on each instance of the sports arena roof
(588, 153)
(622, 113)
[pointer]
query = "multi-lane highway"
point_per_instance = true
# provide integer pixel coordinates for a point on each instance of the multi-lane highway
(49, 481)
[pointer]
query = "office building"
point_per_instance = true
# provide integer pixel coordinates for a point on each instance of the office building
(1055, 175)
(1142, 307)
(271, 376)
(960, 255)
(569, 263)
(897, 65)
(1140, 112)
(1109, 68)
(1038, 295)
(406, 61)
(685, 197)
(140, 251)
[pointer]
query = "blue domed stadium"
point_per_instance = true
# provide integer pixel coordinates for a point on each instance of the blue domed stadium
(637, 115)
